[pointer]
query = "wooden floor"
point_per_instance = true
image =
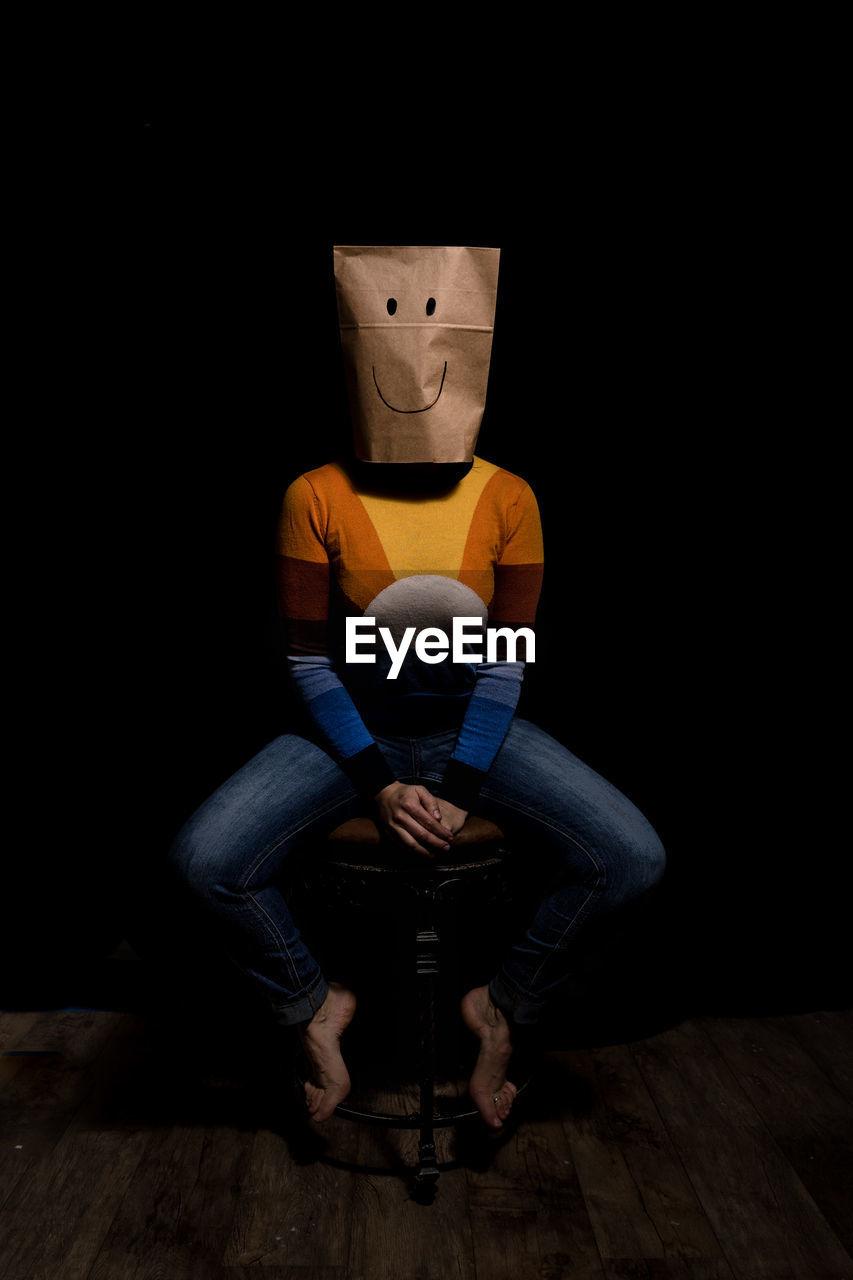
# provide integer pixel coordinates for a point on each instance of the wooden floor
(715, 1148)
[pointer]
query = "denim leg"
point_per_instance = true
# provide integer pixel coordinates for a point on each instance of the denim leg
(230, 854)
(605, 852)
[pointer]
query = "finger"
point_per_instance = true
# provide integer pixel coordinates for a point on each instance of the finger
(413, 810)
(416, 828)
(436, 829)
(422, 837)
(430, 817)
(410, 842)
(431, 803)
(425, 794)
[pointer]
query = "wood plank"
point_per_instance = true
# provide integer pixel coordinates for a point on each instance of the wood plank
(363, 1220)
(9, 1067)
(64, 1210)
(277, 1273)
(768, 1225)
(46, 1086)
(566, 1245)
(55, 1074)
(828, 1038)
(374, 1148)
(393, 1235)
(530, 1171)
(530, 1163)
(14, 1025)
(641, 1201)
(811, 1121)
(622, 1227)
(175, 1216)
(55, 1216)
(293, 1210)
(667, 1269)
(505, 1244)
(75, 1034)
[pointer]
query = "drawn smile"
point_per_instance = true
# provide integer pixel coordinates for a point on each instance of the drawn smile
(395, 409)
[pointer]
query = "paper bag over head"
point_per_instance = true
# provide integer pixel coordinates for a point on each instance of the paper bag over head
(416, 332)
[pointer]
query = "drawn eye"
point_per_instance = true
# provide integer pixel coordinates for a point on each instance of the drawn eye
(391, 304)
(430, 306)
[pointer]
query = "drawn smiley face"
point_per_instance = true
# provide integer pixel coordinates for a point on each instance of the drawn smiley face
(391, 308)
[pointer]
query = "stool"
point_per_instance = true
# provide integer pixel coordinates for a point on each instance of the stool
(357, 867)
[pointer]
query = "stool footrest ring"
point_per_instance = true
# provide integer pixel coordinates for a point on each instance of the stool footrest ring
(395, 1120)
(414, 1119)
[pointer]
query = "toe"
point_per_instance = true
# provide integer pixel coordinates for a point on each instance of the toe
(497, 1111)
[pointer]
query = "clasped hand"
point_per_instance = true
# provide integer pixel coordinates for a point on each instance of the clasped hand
(423, 822)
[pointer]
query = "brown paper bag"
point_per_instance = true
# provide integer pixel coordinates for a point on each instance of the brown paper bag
(416, 332)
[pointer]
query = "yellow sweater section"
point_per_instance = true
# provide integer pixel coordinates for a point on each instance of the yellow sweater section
(428, 536)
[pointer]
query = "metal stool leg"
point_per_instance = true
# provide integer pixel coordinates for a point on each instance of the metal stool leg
(427, 944)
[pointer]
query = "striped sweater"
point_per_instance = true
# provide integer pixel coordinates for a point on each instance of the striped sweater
(349, 548)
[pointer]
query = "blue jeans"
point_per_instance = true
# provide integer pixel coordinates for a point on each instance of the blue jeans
(231, 853)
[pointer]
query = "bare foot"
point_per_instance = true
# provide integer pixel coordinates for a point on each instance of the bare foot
(329, 1083)
(491, 1092)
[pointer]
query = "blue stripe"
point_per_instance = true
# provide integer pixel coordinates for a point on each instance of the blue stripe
(483, 730)
(335, 714)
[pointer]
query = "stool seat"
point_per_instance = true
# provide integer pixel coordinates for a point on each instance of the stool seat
(365, 831)
(359, 858)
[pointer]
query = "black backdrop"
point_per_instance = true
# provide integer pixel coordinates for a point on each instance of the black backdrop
(195, 369)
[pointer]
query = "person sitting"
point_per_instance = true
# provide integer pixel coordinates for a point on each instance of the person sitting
(381, 555)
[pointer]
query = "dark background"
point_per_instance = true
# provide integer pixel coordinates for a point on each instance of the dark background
(188, 365)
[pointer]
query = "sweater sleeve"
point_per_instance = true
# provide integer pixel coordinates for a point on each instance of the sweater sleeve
(303, 602)
(518, 582)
